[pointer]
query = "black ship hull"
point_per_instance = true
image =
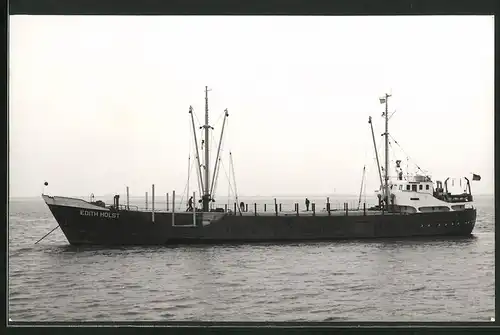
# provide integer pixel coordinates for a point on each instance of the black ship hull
(84, 226)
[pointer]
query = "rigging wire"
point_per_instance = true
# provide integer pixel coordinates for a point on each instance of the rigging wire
(217, 163)
(193, 147)
(218, 167)
(200, 177)
(197, 160)
(391, 149)
(189, 156)
(223, 141)
(185, 188)
(196, 117)
(362, 183)
(229, 185)
(366, 166)
(234, 179)
(229, 180)
(213, 149)
(364, 191)
(220, 116)
(221, 163)
(407, 156)
(374, 159)
(189, 174)
(228, 191)
(216, 179)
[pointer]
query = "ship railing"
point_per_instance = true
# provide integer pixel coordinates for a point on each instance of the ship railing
(282, 206)
(268, 206)
(278, 208)
(231, 207)
(129, 207)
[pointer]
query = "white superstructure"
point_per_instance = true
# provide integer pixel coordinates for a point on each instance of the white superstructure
(418, 194)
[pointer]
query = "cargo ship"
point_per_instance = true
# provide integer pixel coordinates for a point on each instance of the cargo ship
(408, 206)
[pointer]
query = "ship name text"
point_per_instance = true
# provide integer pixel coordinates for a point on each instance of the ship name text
(107, 215)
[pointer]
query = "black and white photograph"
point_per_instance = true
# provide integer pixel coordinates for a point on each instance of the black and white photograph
(251, 168)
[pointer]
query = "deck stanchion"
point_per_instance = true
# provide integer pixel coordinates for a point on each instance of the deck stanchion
(265, 207)
(173, 208)
(153, 203)
(225, 208)
(280, 207)
(128, 202)
(364, 208)
(297, 208)
(313, 205)
(246, 207)
(275, 207)
(235, 208)
(346, 209)
(167, 202)
(328, 205)
(255, 208)
(194, 209)
(146, 200)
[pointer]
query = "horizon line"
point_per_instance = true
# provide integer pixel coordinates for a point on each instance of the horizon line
(225, 196)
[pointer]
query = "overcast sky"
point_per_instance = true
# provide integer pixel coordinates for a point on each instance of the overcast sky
(98, 103)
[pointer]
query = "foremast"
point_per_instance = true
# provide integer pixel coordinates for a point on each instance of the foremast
(206, 188)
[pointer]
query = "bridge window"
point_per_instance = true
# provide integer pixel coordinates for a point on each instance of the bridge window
(400, 187)
(407, 209)
(420, 187)
(407, 187)
(434, 209)
(414, 188)
(427, 187)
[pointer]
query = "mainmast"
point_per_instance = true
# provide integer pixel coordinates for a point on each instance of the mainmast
(206, 197)
(385, 100)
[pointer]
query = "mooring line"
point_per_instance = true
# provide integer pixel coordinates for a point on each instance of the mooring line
(47, 234)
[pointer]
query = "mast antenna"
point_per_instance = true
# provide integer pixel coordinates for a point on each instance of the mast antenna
(206, 196)
(385, 101)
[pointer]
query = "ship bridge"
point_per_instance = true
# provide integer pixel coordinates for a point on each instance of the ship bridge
(418, 194)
